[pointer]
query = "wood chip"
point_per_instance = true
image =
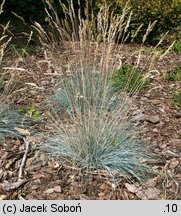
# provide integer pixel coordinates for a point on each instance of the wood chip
(3, 197)
(22, 132)
(131, 188)
(152, 193)
(49, 191)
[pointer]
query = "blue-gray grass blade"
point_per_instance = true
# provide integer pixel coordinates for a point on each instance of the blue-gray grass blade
(9, 120)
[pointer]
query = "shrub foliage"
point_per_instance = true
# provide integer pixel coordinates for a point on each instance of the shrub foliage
(166, 13)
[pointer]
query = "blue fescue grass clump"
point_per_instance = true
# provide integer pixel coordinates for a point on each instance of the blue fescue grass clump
(99, 134)
(112, 149)
(9, 120)
(84, 92)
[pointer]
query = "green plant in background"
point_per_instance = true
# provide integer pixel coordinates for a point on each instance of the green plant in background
(174, 75)
(29, 9)
(177, 98)
(171, 76)
(1, 85)
(32, 112)
(18, 51)
(156, 52)
(167, 13)
(177, 46)
(21, 52)
(129, 79)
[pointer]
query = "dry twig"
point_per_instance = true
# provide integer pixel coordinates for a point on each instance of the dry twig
(24, 159)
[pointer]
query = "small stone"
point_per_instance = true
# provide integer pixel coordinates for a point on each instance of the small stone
(49, 191)
(155, 130)
(161, 110)
(153, 119)
(57, 189)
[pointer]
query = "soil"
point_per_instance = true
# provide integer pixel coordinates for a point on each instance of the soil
(158, 118)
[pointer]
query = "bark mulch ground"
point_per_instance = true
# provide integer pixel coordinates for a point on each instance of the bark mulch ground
(160, 127)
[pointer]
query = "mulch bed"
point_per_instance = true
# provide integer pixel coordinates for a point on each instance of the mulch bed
(159, 121)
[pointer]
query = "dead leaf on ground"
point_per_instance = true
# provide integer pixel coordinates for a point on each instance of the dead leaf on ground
(53, 164)
(103, 186)
(131, 187)
(35, 139)
(39, 176)
(152, 193)
(7, 186)
(22, 132)
(141, 195)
